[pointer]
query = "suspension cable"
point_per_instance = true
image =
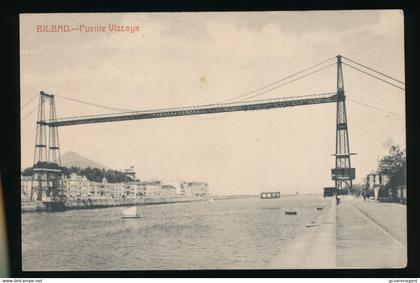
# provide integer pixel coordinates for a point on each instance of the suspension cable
(279, 86)
(375, 108)
(371, 69)
(230, 99)
(27, 103)
(373, 76)
(278, 81)
(94, 104)
(29, 113)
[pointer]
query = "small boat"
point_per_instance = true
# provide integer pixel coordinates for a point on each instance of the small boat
(130, 213)
(319, 208)
(311, 225)
(291, 213)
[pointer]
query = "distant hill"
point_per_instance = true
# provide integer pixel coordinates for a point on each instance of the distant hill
(71, 158)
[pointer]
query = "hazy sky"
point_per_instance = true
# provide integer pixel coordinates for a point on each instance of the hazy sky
(179, 59)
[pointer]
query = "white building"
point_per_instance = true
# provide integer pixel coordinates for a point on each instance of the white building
(25, 187)
(168, 191)
(76, 186)
(194, 189)
(130, 173)
(151, 189)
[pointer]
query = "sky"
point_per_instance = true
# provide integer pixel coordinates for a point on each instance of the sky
(180, 59)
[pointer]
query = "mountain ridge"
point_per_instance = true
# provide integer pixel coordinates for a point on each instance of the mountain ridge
(71, 158)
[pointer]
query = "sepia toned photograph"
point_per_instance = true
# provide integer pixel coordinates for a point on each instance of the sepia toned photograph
(213, 141)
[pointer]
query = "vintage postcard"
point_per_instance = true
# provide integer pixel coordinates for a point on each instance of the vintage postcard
(213, 140)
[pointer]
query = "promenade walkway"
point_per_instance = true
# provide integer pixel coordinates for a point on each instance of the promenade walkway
(370, 234)
(353, 234)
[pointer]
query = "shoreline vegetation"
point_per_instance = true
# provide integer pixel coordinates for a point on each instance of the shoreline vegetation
(93, 174)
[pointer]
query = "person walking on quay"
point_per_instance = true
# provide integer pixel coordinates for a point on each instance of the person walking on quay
(364, 196)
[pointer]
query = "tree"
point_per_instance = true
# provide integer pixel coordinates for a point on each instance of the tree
(92, 174)
(394, 166)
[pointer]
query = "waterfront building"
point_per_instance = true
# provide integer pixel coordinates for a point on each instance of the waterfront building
(151, 189)
(95, 189)
(117, 190)
(131, 173)
(134, 190)
(194, 189)
(376, 185)
(168, 191)
(125, 190)
(25, 187)
(76, 186)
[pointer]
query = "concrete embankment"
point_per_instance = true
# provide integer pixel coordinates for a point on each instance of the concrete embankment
(32, 206)
(88, 203)
(313, 247)
(233, 197)
(353, 234)
(371, 234)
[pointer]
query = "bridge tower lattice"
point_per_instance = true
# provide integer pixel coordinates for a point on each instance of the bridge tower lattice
(343, 174)
(46, 183)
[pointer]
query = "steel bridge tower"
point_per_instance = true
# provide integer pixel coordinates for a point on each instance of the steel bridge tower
(46, 184)
(343, 174)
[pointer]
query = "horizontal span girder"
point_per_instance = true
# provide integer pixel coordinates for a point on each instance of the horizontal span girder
(197, 110)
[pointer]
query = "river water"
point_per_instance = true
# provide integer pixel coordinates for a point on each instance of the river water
(224, 234)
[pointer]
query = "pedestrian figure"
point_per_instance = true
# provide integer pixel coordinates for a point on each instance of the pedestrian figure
(364, 196)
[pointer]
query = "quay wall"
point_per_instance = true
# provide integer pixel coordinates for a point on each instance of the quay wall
(89, 203)
(226, 197)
